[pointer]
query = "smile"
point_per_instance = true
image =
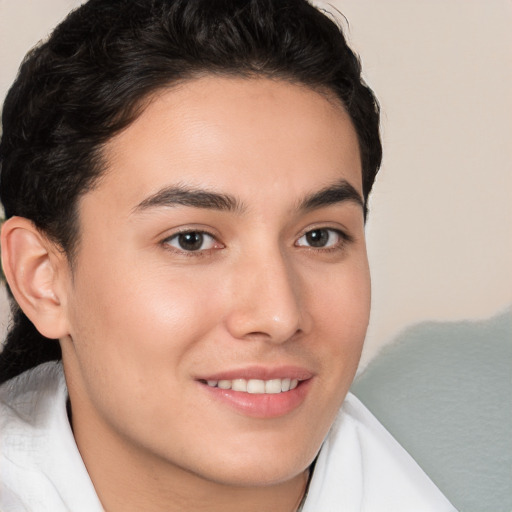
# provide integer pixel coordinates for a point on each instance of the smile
(256, 386)
(266, 397)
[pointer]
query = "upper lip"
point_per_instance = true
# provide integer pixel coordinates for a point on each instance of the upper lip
(261, 373)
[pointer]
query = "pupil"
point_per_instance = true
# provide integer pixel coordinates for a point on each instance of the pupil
(191, 241)
(317, 237)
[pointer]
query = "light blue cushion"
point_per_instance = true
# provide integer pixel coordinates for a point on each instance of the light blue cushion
(444, 390)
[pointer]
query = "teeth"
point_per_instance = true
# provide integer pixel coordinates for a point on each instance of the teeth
(273, 386)
(239, 385)
(285, 384)
(256, 386)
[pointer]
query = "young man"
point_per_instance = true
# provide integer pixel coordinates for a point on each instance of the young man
(185, 184)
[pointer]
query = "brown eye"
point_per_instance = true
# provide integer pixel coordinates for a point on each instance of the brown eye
(320, 238)
(191, 241)
(317, 237)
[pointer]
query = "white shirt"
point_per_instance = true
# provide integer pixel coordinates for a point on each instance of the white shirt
(360, 467)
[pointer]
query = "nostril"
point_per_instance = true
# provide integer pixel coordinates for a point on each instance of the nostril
(274, 335)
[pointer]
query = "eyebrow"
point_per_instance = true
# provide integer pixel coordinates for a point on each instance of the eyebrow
(339, 192)
(180, 195)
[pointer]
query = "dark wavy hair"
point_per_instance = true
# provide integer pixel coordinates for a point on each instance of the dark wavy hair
(89, 80)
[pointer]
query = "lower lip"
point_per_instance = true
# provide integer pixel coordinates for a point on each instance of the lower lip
(262, 405)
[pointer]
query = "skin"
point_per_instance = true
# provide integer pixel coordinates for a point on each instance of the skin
(144, 318)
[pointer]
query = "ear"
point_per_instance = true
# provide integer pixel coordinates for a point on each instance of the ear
(35, 269)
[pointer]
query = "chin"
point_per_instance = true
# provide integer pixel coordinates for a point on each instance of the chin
(253, 470)
(257, 476)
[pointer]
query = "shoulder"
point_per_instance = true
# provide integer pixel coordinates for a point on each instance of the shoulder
(40, 466)
(361, 467)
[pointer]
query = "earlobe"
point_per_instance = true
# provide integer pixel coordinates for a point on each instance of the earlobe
(33, 267)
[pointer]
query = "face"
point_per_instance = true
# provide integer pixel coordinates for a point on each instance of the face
(220, 293)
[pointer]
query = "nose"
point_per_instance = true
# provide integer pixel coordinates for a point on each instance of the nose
(267, 300)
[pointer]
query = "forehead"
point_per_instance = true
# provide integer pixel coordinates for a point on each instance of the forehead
(245, 135)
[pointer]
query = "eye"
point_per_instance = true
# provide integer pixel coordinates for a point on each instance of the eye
(192, 241)
(321, 238)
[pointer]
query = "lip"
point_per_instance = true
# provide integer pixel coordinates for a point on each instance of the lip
(261, 373)
(261, 406)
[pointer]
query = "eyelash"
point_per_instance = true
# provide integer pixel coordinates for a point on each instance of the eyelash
(344, 238)
(191, 253)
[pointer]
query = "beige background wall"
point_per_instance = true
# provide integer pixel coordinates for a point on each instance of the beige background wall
(440, 234)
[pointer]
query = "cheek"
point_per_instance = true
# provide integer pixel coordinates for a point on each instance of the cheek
(145, 309)
(126, 319)
(342, 303)
(134, 334)
(341, 314)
